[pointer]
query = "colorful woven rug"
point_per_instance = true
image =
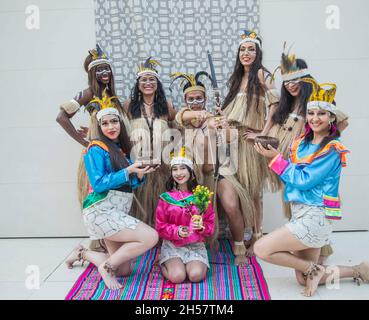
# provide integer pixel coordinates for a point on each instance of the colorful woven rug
(224, 281)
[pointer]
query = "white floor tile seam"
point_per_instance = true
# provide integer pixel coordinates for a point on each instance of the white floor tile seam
(62, 262)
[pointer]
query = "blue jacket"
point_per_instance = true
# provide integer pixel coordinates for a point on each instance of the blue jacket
(100, 172)
(312, 176)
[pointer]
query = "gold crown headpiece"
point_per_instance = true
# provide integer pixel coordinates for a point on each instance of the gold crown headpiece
(322, 96)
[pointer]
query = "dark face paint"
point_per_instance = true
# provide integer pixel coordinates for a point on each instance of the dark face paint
(103, 74)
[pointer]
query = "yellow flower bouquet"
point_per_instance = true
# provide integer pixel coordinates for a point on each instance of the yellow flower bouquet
(202, 197)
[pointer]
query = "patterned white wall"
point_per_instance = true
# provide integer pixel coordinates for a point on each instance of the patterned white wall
(178, 33)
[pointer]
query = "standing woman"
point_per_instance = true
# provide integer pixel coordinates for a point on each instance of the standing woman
(288, 120)
(311, 176)
(100, 78)
(106, 209)
(251, 92)
(149, 111)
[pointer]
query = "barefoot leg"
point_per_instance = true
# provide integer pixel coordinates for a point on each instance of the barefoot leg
(94, 257)
(132, 244)
(125, 268)
(230, 203)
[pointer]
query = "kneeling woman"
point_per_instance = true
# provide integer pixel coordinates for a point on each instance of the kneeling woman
(311, 177)
(183, 251)
(106, 209)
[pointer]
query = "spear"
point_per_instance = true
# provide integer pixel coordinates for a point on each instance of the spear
(214, 82)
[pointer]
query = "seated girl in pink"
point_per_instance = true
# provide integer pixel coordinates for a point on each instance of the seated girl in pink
(183, 252)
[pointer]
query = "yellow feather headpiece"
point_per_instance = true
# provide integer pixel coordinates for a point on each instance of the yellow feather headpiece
(192, 79)
(105, 105)
(181, 158)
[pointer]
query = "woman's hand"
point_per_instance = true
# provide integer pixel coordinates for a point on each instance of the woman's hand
(219, 111)
(268, 153)
(138, 168)
(249, 135)
(183, 232)
(82, 131)
(149, 170)
(201, 116)
(197, 227)
(218, 122)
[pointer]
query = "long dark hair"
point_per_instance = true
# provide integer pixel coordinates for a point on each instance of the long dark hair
(191, 183)
(117, 159)
(160, 101)
(286, 100)
(253, 84)
(97, 87)
(334, 133)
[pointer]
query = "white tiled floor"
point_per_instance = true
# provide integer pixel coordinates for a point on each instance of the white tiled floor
(56, 280)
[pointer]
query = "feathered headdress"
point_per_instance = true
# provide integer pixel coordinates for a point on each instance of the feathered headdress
(249, 36)
(193, 80)
(288, 66)
(148, 67)
(320, 97)
(98, 57)
(181, 158)
(104, 106)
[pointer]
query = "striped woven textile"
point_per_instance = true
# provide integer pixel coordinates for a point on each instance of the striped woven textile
(224, 281)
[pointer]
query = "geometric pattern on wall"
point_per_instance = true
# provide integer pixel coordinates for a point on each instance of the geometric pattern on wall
(177, 33)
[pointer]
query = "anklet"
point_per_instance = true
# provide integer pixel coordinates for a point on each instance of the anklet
(109, 269)
(81, 255)
(312, 271)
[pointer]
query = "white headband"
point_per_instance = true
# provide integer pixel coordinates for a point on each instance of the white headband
(295, 74)
(322, 105)
(147, 72)
(253, 40)
(107, 111)
(98, 62)
(181, 160)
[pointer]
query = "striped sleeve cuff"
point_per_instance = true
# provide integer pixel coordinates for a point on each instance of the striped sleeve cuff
(278, 164)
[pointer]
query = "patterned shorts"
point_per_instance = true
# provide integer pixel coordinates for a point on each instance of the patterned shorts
(187, 253)
(109, 216)
(309, 225)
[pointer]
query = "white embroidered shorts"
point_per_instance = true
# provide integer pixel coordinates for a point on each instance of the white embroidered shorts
(187, 253)
(109, 216)
(309, 225)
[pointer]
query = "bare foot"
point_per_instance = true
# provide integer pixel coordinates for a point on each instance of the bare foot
(312, 281)
(110, 279)
(239, 250)
(74, 256)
